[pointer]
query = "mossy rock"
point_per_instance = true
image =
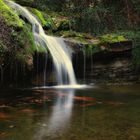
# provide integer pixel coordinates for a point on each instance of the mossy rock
(46, 21)
(111, 38)
(67, 34)
(39, 15)
(26, 43)
(18, 43)
(11, 18)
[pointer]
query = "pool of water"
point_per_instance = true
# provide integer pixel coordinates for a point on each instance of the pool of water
(96, 113)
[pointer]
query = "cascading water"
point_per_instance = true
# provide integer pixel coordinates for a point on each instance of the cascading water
(60, 54)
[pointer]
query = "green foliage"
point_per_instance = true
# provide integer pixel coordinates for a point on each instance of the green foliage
(64, 25)
(9, 15)
(90, 20)
(49, 24)
(93, 16)
(55, 5)
(24, 2)
(133, 35)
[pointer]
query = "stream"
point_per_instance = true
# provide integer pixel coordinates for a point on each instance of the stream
(95, 113)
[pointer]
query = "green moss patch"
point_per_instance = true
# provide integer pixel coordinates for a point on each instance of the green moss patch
(9, 15)
(25, 43)
(112, 38)
(39, 15)
(46, 21)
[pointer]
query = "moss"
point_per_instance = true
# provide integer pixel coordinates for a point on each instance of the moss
(112, 38)
(9, 15)
(75, 35)
(66, 34)
(22, 41)
(91, 45)
(47, 22)
(39, 15)
(26, 43)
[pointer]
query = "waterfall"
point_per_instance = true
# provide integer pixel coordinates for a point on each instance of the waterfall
(59, 51)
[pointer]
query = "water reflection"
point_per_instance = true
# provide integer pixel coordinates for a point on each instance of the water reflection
(60, 116)
(101, 113)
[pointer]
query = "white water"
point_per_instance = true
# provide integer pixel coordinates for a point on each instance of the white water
(61, 112)
(64, 87)
(57, 47)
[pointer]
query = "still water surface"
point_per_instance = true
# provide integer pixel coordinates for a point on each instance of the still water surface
(97, 113)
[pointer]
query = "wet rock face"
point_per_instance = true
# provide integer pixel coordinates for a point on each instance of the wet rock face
(108, 68)
(116, 71)
(5, 32)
